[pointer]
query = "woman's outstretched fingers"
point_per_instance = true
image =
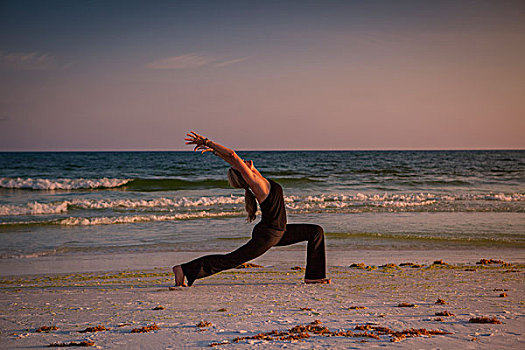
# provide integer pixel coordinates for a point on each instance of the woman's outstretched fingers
(195, 135)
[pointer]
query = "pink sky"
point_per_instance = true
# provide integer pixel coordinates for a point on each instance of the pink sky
(300, 75)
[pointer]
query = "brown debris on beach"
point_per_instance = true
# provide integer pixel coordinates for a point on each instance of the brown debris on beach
(146, 329)
(160, 307)
(439, 262)
(389, 265)
(73, 343)
(397, 336)
(406, 305)
(484, 319)
(440, 302)
(99, 328)
(360, 265)
(503, 295)
(203, 324)
(412, 332)
(46, 329)
(357, 308)
(444, 313)
(298, 268)
(224, 342)
(300, 332)
(249, 266)
(410, 264)
(315, 328)
(492, 262)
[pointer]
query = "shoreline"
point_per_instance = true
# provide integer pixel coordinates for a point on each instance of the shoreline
(79, 263)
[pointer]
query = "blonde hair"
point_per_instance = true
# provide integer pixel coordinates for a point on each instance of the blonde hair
(236, 180)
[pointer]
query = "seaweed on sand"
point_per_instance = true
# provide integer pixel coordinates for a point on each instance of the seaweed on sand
(492, 262)
(73, 343)
(413, 332)
(484, 319)
(444, 313)
(99, 328)
(406, 305)
(300, 332)
(46, 329)
(389, 265)
(439, 262)
(248, 266)
(146, 329)
(360, 265)
(413, 265)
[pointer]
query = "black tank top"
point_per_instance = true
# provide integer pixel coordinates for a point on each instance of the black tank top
(273, 209)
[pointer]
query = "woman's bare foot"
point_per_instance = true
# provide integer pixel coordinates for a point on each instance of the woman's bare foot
(179, 276)
(318, 281)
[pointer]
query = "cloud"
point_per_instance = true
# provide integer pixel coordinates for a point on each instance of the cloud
(190, 61)
(27, 61)
(227, 63)
(180, 62)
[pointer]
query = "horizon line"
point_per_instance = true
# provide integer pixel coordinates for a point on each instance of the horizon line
(266, 150)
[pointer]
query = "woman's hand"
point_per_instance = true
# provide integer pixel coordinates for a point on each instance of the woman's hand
(198, 140)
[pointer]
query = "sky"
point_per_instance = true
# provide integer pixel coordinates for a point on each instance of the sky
(262, 75)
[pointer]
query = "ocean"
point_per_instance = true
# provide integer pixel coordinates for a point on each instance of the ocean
(67, 203)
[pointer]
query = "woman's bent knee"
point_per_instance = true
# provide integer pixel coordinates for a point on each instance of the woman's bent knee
(318, 231)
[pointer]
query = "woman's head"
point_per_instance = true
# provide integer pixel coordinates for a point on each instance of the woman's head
(236, 180)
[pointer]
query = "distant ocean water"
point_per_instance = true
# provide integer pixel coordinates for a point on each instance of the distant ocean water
(100, 202)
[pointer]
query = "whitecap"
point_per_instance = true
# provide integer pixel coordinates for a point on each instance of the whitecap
(60, 184)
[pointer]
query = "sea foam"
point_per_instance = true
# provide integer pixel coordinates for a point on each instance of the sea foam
(77, 221)
(297, 203)
(34, 208)
(60, 184)
(183, 202)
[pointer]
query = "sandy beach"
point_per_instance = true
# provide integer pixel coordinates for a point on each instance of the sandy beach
(261, 307)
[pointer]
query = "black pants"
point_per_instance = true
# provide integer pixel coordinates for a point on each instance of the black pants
(263, 238)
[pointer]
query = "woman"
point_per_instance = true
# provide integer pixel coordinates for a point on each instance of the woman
(271, 231)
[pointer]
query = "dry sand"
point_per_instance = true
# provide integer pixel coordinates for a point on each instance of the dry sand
(241, 303)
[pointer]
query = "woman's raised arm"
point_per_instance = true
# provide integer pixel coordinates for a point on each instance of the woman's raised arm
(203, 144)
(259, 185)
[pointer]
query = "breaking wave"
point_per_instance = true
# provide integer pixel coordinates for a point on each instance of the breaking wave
(342, 203)
(142, 218)
(160, 204)
(127, 219)
(60, 184)
(139, 185)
